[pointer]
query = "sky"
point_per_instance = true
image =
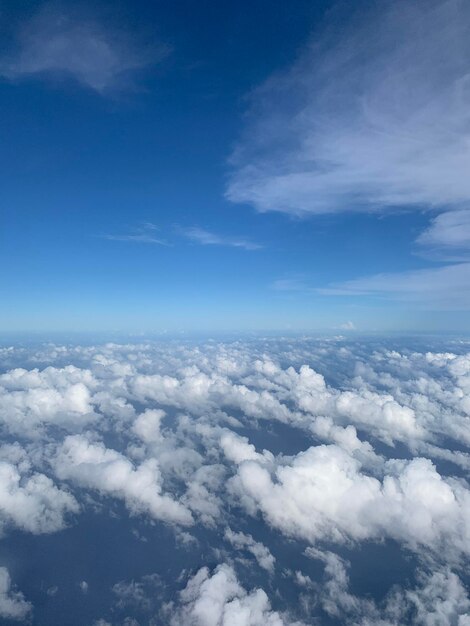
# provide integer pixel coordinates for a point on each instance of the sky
(178, 167)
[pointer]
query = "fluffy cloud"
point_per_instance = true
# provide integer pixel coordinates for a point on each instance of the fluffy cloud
(319, 439)
(30, 501)
(94, 466)
(323, 494)
(242, 541)
(434, 385)
(12, 603)
(32, 399)
(147, 426)
(238, 449)
(218, 599)
(439, 598)
(267, 394)
(442, 598)
(204, 493)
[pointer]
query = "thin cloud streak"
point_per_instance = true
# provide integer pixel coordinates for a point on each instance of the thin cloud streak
(291, 284)
(207, 238)
(437, 288)
(143, 234)
(136, 238)
(440, 288)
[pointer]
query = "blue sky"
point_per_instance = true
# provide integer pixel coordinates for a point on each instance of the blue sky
(232, 166)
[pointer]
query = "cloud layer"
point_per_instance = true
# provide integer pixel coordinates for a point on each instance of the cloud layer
(267, 459)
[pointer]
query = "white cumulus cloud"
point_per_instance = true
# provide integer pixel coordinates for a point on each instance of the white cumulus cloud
(218, 599)
(13, 604)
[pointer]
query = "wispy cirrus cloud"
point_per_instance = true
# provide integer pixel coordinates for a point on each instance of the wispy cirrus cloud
(294, 283)
(373, 117)
(146, 233)
(445, 287)
(449, 230)
(208, 238)
(61, 41)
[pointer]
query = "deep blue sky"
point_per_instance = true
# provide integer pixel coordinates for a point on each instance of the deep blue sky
(118, 208)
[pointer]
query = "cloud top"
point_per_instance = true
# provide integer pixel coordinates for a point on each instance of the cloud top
(255, 454)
